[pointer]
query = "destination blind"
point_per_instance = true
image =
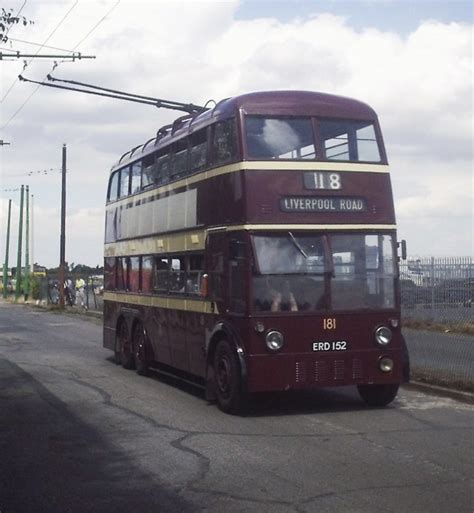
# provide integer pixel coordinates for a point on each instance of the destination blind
(322, 204)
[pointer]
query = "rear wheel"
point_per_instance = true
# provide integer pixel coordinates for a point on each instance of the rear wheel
(378, 395)
(123, 352)
(230, 398)
(141, 350)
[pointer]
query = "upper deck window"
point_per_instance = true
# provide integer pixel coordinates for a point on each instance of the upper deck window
(114, 186)
(279, 138)
(124, 182)
(135, 177)
(349, 140)
(223, 142)
(198, 150)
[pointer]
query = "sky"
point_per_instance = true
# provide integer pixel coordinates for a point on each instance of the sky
(411, 61)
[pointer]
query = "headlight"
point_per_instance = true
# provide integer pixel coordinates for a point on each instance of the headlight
(383, 335)
(274, 340)
(386, 364)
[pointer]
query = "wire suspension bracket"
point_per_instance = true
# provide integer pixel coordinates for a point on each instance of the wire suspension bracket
(18, 55)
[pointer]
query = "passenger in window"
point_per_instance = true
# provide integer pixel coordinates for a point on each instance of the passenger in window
(276, 297)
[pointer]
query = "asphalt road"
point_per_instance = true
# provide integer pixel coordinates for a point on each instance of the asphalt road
(448, 357)
(80, 434)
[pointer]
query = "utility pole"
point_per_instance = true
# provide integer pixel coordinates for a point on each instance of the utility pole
(5, 265)
(62, 250)
(27, 245)
(32, 236)
(18, 260)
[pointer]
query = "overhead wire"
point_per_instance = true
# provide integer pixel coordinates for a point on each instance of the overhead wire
(29, 62)
(41, 172)
(39, 44)
(56, 64)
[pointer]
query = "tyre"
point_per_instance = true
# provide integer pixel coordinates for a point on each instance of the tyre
(228, 382)
(141, 350)
(378, 395)
(123, 349)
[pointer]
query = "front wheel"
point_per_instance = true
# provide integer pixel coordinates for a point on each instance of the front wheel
(228, 382)
(378, 395)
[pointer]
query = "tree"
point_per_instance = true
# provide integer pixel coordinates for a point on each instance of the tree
(7, 20)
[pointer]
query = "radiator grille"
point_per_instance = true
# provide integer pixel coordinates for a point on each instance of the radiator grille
(320, 371)
(356, 369)
(325, 371)
(338, 369)
(300, 374)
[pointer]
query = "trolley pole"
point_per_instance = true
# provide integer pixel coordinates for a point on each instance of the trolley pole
(5, 264)
(27, 245)
(18, 260)
(62, 255)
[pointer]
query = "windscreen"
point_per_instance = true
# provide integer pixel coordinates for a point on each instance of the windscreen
(304, 272)
(279, 138)
(349, 141)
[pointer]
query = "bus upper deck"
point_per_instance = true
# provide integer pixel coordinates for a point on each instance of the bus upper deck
(271, 158)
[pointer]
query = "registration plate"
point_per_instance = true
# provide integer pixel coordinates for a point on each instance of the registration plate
(338, 345)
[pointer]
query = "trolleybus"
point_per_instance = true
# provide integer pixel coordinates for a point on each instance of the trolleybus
(252, 247)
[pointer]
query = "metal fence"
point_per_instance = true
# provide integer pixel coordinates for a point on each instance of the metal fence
(437, 290)
(437, 299)
(44, 290)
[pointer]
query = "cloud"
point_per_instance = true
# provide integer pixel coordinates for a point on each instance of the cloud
(420, 85)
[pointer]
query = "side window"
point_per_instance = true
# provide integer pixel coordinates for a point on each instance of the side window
(121, 276)
(113, 186)
(124, 182)
(216, 261)
(194, 274)
(109, 273)
(161, 274)
(198, 150)
(149, 171)
(180, 158)
(177, 277)
(162, 165)
(147, 274)
(136, 177)
(134, 274)
(224, 142)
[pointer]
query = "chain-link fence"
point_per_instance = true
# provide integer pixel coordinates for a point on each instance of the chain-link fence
(80, 291)
(438, 290)
(437, 310)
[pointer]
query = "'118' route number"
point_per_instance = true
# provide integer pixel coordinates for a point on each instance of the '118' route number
(324, 180)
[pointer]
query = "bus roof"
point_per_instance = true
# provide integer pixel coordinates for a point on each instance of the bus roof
(297, 103)
(269, 103)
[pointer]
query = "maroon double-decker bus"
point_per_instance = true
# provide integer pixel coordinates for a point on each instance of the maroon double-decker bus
(252, 247)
